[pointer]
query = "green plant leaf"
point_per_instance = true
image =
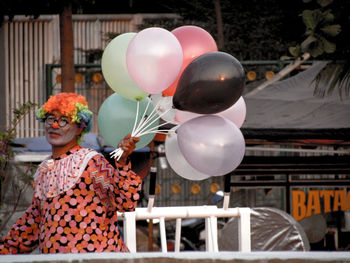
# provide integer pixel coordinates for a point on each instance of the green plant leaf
(328, 46)
(285, 58)
(324, 3)
(308, 19)
(328, 17)
(295, 51)
(316, 50)
(331, 30)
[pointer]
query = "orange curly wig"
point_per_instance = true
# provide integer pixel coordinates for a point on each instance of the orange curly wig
(71, 105)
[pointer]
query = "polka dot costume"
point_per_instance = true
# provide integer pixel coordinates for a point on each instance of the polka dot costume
(74, 206)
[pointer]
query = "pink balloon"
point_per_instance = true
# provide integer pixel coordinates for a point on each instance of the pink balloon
(236, 113)
(183, 116)
(195, 41)
(211, 144)
(154, 59)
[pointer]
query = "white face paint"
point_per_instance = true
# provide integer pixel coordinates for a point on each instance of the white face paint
(61, 136)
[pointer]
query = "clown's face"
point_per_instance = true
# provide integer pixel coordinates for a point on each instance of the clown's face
(60, 131)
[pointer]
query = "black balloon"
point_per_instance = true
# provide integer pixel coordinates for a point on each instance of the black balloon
(211, 83)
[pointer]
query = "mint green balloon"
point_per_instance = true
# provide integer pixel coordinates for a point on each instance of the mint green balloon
(114, 69)
(116, 118)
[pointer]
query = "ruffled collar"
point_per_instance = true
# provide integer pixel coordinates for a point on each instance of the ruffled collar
(55, 176)
(71, 151)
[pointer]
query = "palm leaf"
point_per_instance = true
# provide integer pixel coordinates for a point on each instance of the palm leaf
(335, 76)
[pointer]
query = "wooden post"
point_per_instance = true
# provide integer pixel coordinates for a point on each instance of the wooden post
(67, 55)
(219, 24)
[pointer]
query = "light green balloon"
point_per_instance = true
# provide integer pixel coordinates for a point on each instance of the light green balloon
(116, 118)
(115, 71)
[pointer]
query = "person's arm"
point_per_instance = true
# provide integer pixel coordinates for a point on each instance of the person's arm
(23, 237)
(117, 188)
(127, 188)
(120, 186)
(128, 183)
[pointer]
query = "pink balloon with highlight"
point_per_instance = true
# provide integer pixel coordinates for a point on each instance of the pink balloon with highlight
(236, 113)
(154, 59)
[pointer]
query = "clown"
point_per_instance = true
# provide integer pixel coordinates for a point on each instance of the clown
(76, 191)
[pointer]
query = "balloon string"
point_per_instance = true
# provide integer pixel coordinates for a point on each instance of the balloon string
(151, 122)
(154, 129)
(141, 120)
(117, 156)
(147, 122)
(137, 114)
(117, 153)
(144, 121)
(140, 128)
(157, 131)
(150, 117)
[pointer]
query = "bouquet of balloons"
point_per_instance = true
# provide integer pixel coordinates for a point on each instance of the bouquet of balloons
(181, 77)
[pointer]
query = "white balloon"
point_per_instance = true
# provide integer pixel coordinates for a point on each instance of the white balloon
(164, 104)
(177, 161)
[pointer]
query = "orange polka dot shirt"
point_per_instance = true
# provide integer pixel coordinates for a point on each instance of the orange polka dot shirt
(79, 219)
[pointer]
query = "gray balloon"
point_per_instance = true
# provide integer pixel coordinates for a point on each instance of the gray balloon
(211, 144)
(177, 161)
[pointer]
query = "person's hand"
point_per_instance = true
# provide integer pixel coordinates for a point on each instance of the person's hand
(128, 145)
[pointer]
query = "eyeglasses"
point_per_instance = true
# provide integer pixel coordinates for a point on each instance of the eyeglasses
(62, 122)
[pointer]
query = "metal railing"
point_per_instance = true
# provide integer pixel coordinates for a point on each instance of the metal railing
(210, 213)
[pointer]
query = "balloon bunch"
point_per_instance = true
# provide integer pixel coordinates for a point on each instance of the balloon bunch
(181, 77)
